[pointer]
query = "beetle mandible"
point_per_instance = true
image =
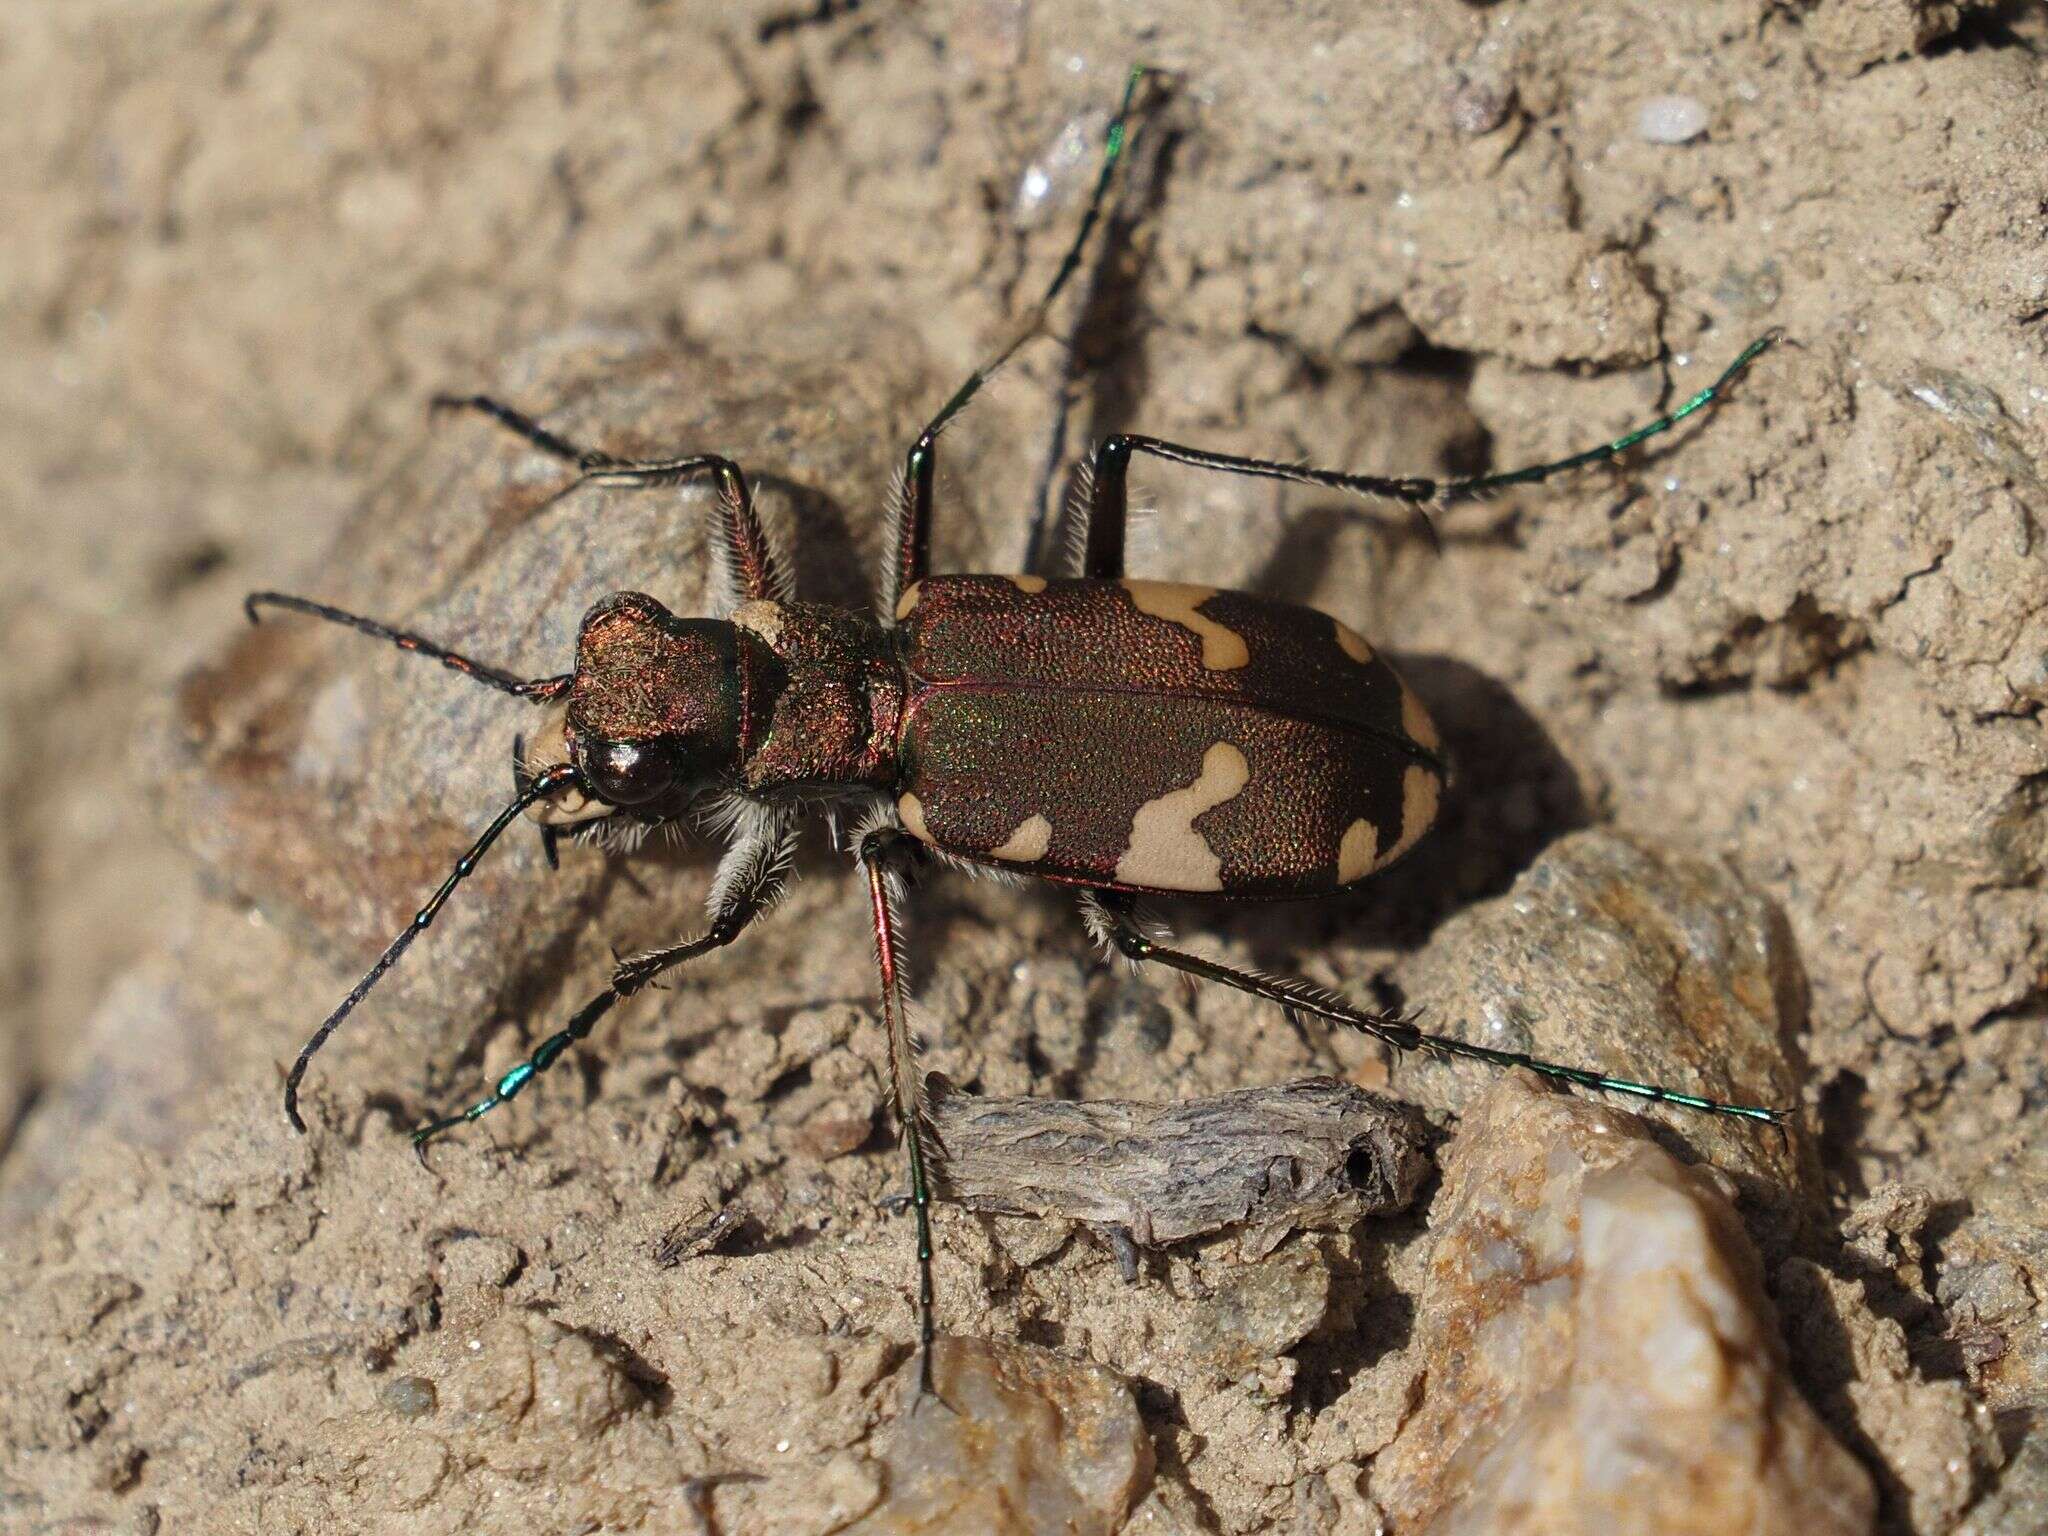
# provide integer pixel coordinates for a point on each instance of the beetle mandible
(1283, 756)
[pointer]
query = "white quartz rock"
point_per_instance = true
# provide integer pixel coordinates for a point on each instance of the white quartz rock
(1600, 1355)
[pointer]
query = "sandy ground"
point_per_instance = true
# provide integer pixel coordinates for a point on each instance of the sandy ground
(241, 245)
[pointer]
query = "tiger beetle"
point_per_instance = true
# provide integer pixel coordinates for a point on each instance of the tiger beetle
(1118, 736)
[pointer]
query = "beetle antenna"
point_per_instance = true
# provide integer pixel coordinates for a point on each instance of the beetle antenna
(541, 688)
(538, 787)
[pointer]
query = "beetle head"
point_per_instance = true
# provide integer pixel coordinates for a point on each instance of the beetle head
(651, 718)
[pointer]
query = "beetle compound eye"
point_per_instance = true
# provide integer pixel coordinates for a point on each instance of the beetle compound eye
(626, 773)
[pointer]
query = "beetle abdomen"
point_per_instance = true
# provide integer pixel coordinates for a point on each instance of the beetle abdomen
(1155, 736)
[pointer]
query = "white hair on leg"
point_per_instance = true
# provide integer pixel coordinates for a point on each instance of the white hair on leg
(1075, 514)
(906, 1042)
(722, 590)
(757, 859)
(878, 815)
(1102, 925)
(782, 568)
(886, 589)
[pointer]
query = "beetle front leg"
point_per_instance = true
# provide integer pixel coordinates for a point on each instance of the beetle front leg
(750, 877)
(882, 854)
(753, 570)
(1109, 914)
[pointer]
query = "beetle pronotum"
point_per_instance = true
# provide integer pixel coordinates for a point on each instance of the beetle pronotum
(1283, 757)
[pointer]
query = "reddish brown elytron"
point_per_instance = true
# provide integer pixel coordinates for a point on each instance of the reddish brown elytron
(1148, 736)
(1114, 735)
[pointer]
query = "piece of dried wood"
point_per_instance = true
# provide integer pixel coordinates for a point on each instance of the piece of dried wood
(1314, 1153)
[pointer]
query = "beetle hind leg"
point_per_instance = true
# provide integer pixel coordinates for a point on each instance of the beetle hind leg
(1109, 914)
(1108, 507)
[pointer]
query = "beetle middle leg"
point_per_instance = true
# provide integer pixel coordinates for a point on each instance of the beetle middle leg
(1108, 510)
(883, 853)
(750, 877)
(1109, 913)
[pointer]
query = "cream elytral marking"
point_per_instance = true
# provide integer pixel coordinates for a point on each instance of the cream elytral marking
(1026, 845)
(1351, 642)
(1222, 648)
(1358, 852)
(908, 601)
(910, 811)
(1029, 584)
(762, 617)
(1416, 722)
(1421, 791)
(1166, 853)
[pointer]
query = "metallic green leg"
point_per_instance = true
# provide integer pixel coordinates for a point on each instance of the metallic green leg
(545, 1055)
(1107, 512)
(1457, 490)
(876, 853)
(766, 864)
(1398, 1032)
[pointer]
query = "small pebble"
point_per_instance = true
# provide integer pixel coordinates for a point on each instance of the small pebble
(1671, 119)
(1479, 106)
(411, 1397)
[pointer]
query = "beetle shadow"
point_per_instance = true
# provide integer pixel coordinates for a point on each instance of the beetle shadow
(1299, 557)
(829, 564)
(1512, 793)
(1382, 1315)
(1105, 367)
